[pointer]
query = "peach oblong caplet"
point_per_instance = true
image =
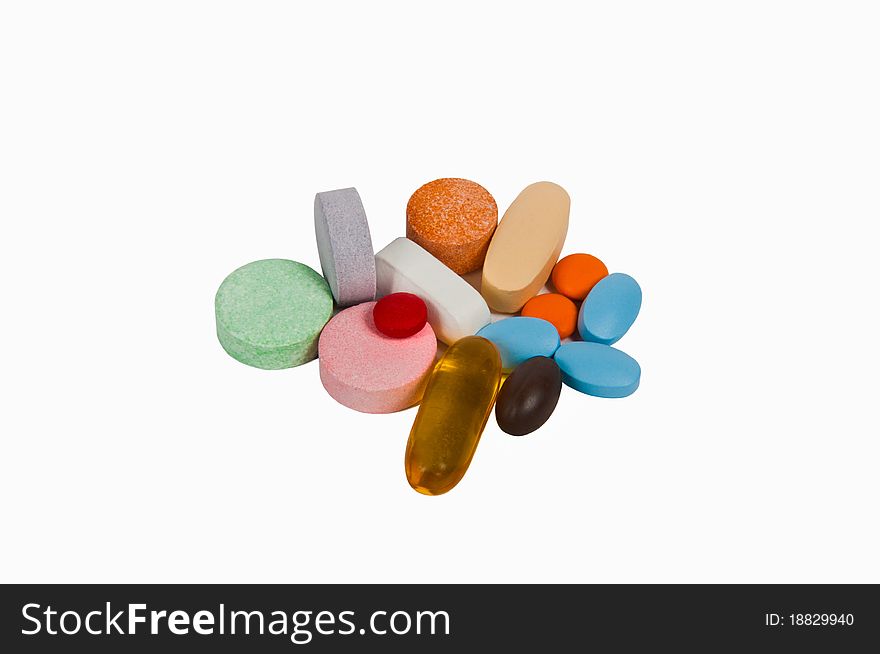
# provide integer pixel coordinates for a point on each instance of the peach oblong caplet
(525, 246)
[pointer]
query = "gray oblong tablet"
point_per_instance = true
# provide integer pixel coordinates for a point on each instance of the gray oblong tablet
(345, 246)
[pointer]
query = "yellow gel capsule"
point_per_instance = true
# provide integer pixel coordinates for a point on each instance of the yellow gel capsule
(454, 410)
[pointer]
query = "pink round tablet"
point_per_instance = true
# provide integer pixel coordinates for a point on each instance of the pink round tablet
(400, 315)
(368, 371)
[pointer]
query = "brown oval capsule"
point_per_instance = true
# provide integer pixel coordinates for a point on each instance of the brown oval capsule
(529, 396)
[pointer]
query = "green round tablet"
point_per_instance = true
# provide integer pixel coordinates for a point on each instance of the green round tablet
(271, 312)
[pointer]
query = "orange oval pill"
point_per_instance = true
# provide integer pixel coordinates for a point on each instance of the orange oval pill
(453, 219)
(556, 309)
(575, 275)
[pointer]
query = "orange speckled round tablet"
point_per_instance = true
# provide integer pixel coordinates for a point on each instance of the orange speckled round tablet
(453, 219)
(575, 275)
(556, 309)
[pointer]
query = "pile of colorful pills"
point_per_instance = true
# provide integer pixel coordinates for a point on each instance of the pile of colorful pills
(380, 356)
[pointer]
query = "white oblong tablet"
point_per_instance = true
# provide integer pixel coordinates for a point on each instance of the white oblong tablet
(455, 309)
(345, 246)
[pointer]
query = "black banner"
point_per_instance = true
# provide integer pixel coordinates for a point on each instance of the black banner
(431, 618)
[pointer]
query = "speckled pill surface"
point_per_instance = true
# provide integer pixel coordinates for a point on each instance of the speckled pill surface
(453, 219)
(345, 246)
(269, 313)
(525, 246)
(456, 405)
(365, 370)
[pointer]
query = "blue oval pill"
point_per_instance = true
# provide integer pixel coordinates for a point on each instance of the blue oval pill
(521, 338)
(610, 309)
(597, 369)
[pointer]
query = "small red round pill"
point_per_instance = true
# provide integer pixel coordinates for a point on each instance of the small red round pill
(400, 315)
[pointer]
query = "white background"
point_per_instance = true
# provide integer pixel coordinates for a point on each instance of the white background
(727, 155)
